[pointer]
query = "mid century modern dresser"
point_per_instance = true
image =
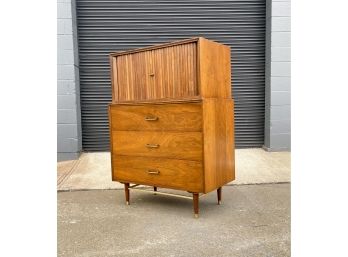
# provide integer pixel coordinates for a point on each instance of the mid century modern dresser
(172, 117)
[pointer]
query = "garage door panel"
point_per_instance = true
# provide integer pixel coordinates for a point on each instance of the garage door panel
(109, 26)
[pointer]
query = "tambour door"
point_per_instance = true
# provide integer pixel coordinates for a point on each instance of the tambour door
(168, 72)
(131, 75)
(175, 73)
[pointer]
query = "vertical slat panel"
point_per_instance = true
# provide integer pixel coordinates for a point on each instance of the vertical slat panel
(146, 75)
(194, 69)
(114, 78)
(109, 26)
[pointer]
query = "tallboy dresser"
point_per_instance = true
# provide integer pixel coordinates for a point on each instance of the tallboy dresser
(172, 118)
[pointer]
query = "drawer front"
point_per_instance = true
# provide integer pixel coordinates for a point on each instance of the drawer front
(161, 172)
(177, 145)
(157, 117)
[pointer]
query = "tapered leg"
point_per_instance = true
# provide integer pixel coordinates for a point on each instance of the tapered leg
(196, 204)
(155, 189)
(219, 191)
(126, 190)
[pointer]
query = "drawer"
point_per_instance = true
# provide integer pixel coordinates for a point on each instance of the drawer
(161, 172)
(157, 117)
(177, 145)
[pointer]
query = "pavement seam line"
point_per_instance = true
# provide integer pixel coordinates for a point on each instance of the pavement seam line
(68, 174)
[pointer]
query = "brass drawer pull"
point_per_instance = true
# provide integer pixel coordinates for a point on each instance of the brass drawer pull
(153, 172)
(152, 145)
(151, 118)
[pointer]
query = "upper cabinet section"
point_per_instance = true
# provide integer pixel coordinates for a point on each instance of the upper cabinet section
(168, 72)
(184, 69)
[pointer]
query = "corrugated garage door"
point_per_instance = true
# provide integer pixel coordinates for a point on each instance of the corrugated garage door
(109, 26)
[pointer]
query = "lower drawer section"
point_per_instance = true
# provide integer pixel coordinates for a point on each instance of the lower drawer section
(171, 173)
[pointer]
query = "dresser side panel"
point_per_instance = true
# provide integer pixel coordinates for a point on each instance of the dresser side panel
(218, 132)
(111, 142)
(209, 141)
(229, 161)
(214, 69)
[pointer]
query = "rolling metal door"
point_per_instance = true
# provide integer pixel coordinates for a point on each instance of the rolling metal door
(111, 26)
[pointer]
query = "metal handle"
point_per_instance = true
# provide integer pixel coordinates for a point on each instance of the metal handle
(151, 118)
(152, 145)
(153, 172)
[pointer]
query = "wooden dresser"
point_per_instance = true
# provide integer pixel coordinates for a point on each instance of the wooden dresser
(171, 117)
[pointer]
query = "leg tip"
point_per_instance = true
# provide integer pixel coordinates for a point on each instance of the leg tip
(219, 202)
(196, 216)
(127, 203)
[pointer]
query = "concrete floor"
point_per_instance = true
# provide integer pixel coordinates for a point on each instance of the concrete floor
(253, 220)
(93, 170)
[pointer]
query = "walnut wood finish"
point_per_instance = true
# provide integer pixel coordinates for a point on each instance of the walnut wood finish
(126, 191)
(217, 140)
(182, 69)
(155, 74)
(218, 130)
(214, 69)
(170, 117)
(196, 204)
(114, 79)
(154, 47)
(219, 192)
(177, 145)
(167, 173)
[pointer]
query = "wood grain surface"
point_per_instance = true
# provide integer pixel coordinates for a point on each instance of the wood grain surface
(158, 46)
(214, 69)
(170, 117)
(178, 145)
(176, 174)
(218, 131)
(182, 69)
(156, 74)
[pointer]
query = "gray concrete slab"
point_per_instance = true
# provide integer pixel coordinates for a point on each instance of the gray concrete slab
(253, 220)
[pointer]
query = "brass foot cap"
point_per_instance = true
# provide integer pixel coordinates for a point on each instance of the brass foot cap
(196, 216)
(219, 202)
(127, 202)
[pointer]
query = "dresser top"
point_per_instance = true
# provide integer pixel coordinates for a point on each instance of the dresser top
(173, 43)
